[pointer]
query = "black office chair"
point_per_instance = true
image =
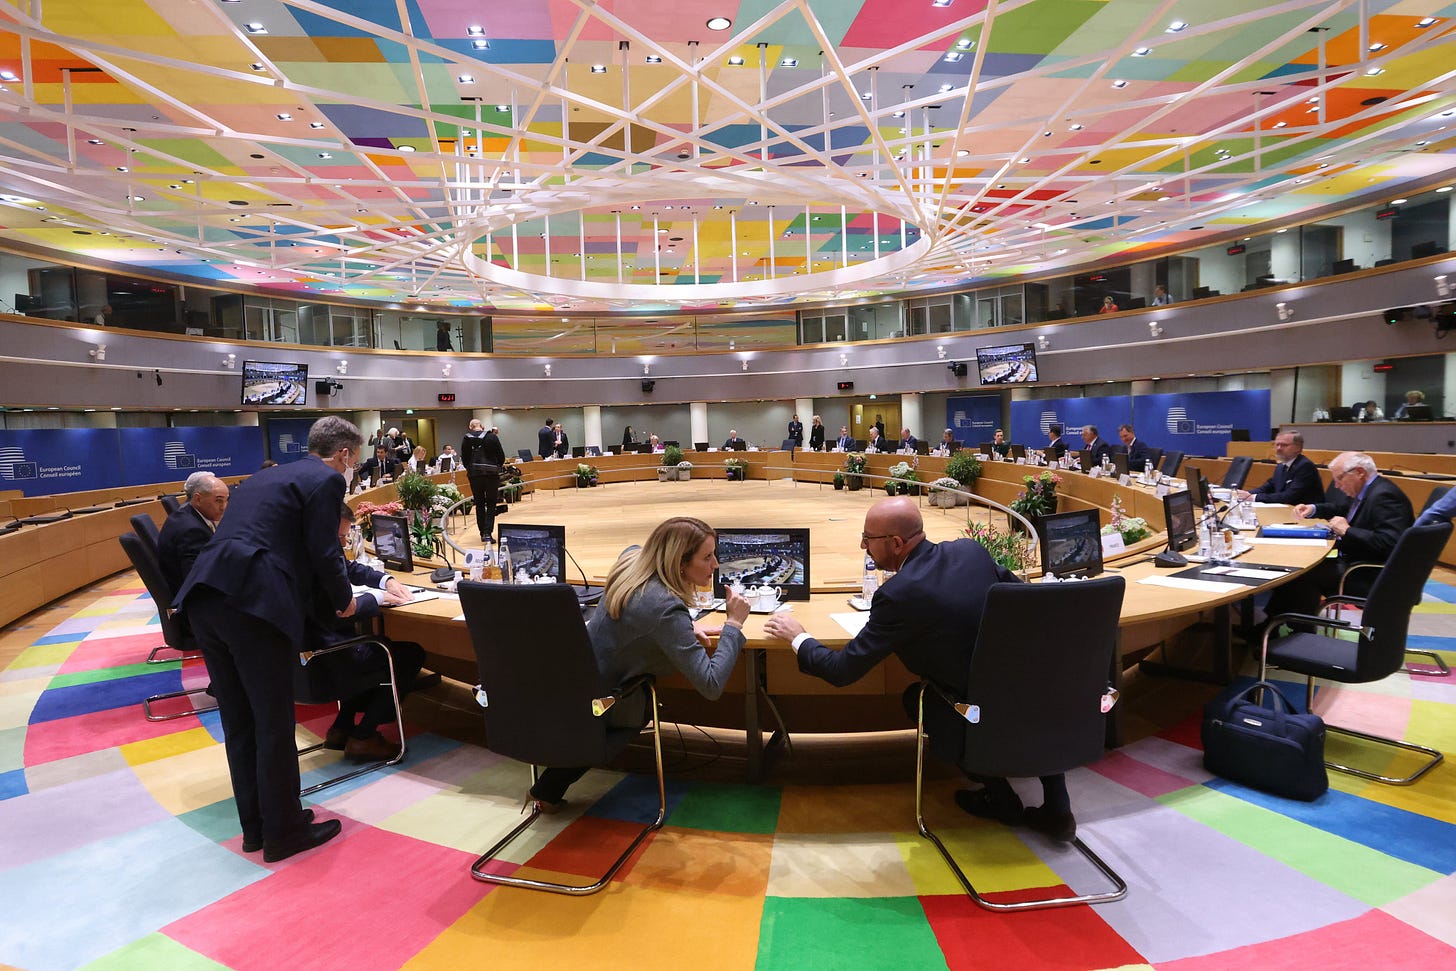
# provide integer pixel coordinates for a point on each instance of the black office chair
(146, 527)
(1238, 471)
(314, 686)
(1172, 458)
(544, 706)
(1034, 706)
(1380, 648)
(175, 636)
(169, 503)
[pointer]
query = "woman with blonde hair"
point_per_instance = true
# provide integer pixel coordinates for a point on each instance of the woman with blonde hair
(642, 626)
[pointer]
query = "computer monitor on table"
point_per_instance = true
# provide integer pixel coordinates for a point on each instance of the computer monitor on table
(1016, 452)
(537, 550)
(700, 446)
(614, 449)
(392, 541)
(754, 556)
(1071, 543)
(1198, 490)
(1182, 518)
(524, 454)
(1417, 413)
(1345, 266)
(1119, 463)
(741, 445)
(578, 451)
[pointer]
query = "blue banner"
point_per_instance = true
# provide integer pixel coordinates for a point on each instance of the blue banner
(1200, 423)
(1030, 419)
(288, 439)
(172, 454)
(45, 461)
(972, 419)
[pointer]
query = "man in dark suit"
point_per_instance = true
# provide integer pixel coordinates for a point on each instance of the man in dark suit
(274, 561)
(1296, 480)
(1138, 452)
(1096, 444)
(796, 431)
(187, 530)
(876, 441)
(1056, 445)
(733, 442)
(1368, 518)
(927, 614)
(845, 441)
(546, 439)
(907, 441)
(381, 467)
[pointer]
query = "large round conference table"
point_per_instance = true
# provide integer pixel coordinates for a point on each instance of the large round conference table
(786, 490)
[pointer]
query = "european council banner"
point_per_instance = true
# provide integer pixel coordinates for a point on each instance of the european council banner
(972, 419)
(288, 439)
(45, 461)
(1030, 419)
(172, 454)
(1200, 423)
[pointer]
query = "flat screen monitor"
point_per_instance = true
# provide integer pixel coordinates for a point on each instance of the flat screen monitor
(1197, 486)
(616, 449)
(1007, 364)
(446, 463)
(1016, 452)
(1071, 543)
(986, 448)
(757, 556)
(593, 451)
(525, 454)
(1417, 412)
(1344, 266)
(274, 383)
(537, 550)
(700, 446)
(741, 445)
(578, 451)
(392, 541)
(1182, 518)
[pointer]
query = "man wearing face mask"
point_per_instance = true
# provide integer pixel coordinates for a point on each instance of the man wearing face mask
(273, 564)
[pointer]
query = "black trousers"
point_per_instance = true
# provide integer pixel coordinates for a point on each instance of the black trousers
(631, 713)
(485, 490)
(1303, 594)
(251, 665)
(360, 684)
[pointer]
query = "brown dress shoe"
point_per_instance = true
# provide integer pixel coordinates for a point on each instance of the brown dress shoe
(336, 739)
(375, 748)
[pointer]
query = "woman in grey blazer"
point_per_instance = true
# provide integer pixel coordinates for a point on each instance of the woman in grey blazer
(642, 626)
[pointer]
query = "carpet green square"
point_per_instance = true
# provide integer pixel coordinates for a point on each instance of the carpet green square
(155, 952)
(728, 809)
(808, 933)
(217, 821)
(97, 675)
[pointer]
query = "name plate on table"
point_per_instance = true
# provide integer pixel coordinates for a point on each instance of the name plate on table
(1161, 490)
(1124, 479)
(1112, 544)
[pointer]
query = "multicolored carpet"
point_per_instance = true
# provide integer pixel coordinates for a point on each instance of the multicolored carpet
(120, 848)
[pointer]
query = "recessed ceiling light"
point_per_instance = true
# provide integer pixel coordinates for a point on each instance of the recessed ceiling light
(966, 44)
(1374, 71)
(945, 87)
(9, 76)
(480, 44)
(502, 107)
(735, 61)
(962, 153)
(284, 116)
(1425, 22)
(719, 23)
(475, 30)
(137, 198)
(1399, 202)
(941, 3)
(1377, 46)
(1119, 84)
(1175, 27)
(406, 148)
(1142, 52)
(122, 168)
(599, 69)
(256, 67)
(653, 59)
(315, 124)
(255, 28)
(466, 79)
(324, 155)
(789, 62)
(953, 56)
(1023, 161)
(1281, 124)
(1075, 128)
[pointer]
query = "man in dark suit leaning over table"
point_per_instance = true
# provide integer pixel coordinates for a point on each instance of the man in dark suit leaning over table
(187, 530)
(1296, 480)
(274, 561)
(1368, 519)
(928, 615)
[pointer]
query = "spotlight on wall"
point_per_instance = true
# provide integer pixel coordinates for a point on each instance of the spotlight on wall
(1155, 329)
(745, 364)
(844, 360)
(230, 361)
(1043, 342)
(1286, 310)
(1443, 289)
(547, 369)
(98, 352)
(342, 367)
(646, 368)
(446, 368)
(940, 351)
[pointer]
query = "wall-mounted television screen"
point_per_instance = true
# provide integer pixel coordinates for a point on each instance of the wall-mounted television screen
(272, 383)
(1008, 364)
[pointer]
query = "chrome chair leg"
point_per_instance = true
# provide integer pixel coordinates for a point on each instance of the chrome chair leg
(478, 871)
(184, 693)
(304, 658)
(181, 655)
(1436, 659)
(1040, 903)
(1435, 758)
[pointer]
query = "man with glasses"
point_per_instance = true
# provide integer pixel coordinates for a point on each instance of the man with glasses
(1367, 520)
(928, 614)
(1295, 479)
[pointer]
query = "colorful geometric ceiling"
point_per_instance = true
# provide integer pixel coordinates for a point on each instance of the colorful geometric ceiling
(642, 154)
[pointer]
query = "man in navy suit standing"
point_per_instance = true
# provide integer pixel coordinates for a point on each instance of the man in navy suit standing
(274, 561)
(796, 431)
(928, 614)
(546, 439)
(1295, 481)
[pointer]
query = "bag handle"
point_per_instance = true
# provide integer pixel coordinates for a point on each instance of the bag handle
(1281, 709)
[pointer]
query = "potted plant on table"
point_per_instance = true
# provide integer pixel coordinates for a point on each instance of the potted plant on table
(737, 469)
(1039, 498)
(1132, 529)
(964, 467)
(854, 466)
(586, 475)
(1010, 549)
(417, 494)
(672, 457)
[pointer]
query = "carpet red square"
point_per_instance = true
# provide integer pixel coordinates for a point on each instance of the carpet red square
(1071, 938)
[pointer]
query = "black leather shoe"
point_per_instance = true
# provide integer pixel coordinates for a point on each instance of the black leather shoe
(978, 802)
(1061, 827)
(253, 845)
(316, 834)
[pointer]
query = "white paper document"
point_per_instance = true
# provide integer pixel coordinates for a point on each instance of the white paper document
(1289, 541)
(852, 623)
(1202, 586)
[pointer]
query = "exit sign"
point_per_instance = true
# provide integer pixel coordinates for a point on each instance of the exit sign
(446, 398)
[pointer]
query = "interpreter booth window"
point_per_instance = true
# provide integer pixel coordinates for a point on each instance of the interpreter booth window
(729, 332)
(931, 316)
(545, 335)
(875, 322)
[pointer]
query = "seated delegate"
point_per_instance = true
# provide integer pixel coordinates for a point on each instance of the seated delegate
(642, 626)
(928, 614)
(381, 468)
(1295, 481)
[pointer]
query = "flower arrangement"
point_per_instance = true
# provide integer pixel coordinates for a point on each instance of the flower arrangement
(1131, 528)
(737, 469)
(1009, 549)
(364, 513)
(417, 494)
(903, 479)
(448, 495)
(854, 463)
(586, 475)
(1039, 498)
